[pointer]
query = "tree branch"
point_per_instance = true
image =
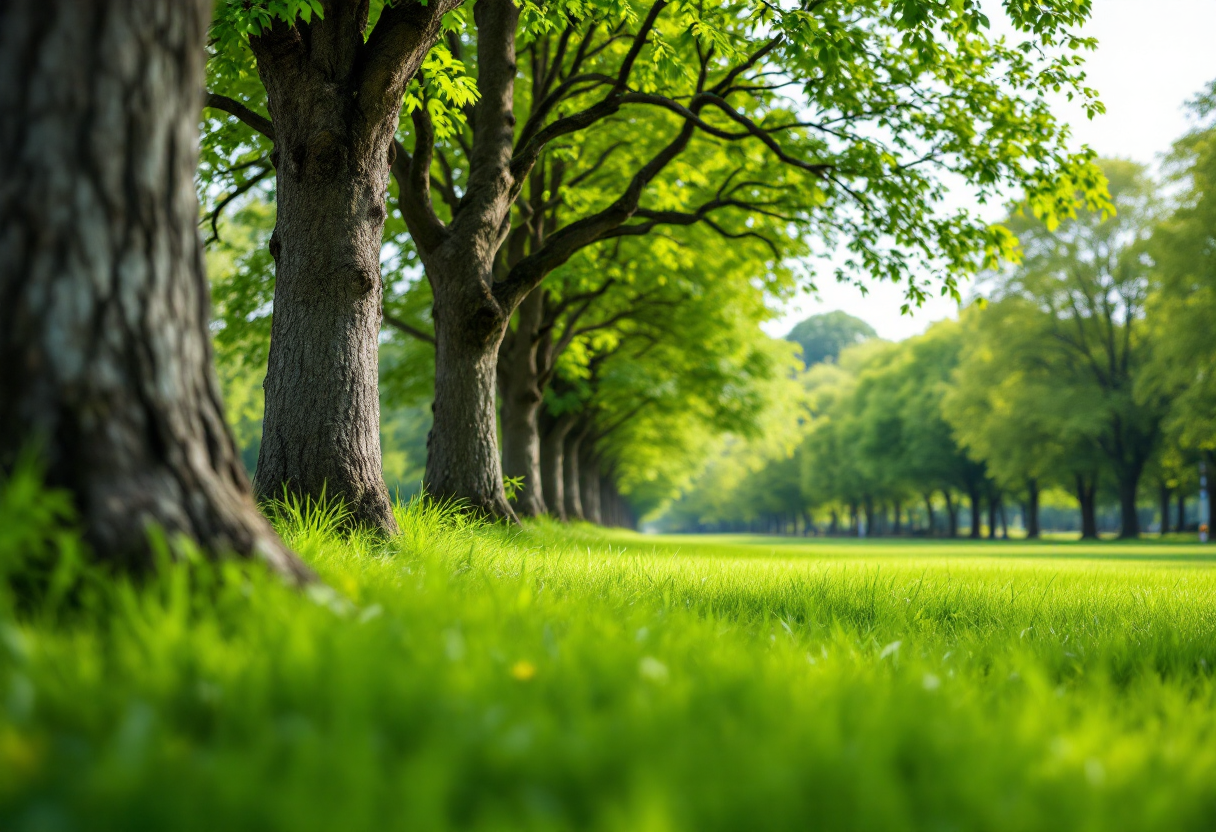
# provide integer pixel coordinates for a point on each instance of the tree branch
(394, 51)
(257, 122)
(244, 187)
(411, 331)
(424, 224)
(562, 245)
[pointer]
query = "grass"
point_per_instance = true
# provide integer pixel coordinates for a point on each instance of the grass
(465, 677)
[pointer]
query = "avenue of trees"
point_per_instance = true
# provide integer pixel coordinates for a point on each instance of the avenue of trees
(555, 229)
(577, 193)
(1085, 369)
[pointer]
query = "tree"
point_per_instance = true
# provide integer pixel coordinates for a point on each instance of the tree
(105, 357)
(637, 285)
(648, 394)
(1012, 415)
(822, 337)
(832, 473)
(333, 77)
(1182, 305)
(1082, 287)
(726, 476)
(919, 446)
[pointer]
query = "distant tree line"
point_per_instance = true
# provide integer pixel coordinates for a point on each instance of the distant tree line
(1087, 367)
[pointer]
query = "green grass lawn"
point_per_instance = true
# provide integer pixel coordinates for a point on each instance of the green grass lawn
(464, 677)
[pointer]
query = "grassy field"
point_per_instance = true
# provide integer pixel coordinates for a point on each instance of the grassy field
(464, 677)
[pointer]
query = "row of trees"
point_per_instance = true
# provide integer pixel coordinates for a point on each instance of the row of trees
(597, 195)
(1087, 367)
(548, 134)
(637, 384)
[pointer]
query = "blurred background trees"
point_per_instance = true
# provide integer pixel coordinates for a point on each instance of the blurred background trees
(1077, 384)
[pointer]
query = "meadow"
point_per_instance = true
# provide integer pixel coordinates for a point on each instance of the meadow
(465, 676)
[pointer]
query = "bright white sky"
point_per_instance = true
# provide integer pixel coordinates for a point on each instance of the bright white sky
(1152, 57)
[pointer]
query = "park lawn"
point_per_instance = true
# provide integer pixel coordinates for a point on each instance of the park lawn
(469, 677)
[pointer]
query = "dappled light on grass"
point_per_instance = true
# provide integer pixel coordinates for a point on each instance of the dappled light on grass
(467, 676)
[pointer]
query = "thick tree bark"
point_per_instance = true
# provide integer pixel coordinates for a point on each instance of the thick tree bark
(105, 356)
(1087, 491)
(335, 103)
(462, 448)
(1165, 493)
(932, 530)
(1032, 508)
(552, 461)
(519, 389)
(994, 508)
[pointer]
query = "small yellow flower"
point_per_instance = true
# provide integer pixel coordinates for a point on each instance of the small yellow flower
(523, 671)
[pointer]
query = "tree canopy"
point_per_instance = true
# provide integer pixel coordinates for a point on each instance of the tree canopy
(822, 337)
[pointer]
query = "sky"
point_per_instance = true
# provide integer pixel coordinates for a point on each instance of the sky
(1152, 57)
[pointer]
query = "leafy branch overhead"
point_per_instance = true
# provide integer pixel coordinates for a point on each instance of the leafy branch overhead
(877, 101)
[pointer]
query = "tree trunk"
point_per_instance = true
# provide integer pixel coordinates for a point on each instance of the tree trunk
(519, 389)
(105, 355)
(1165, 493)
(321, 431)
(610, 503)
(929, 511)
(570, 472)
(951, 514)
(1032, 509)
(589, 480)
(1087, 498)
(335, 103)
(462, 449)
(470, 320)
(1210, 459)
(552, 461)
(994, 506)
(973, 497)
(833, 523)
(1129, 517)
